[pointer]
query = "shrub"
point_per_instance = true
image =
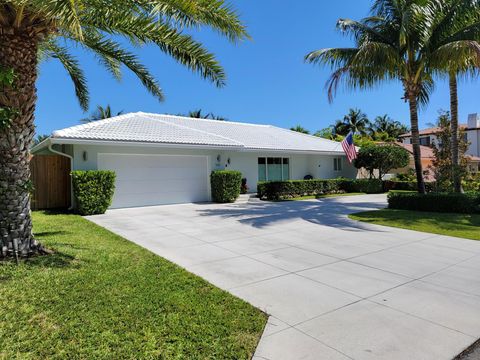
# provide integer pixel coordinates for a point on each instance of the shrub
(390, 185)
(225, 185)
(369, 186)
(382, 158)
(435, 202)
(244, 187)
(93, 191)
(283, 190)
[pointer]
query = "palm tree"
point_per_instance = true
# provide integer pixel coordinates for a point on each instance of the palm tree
(300, 129)
(39, 138)
(397, 42)
(458, 26)
(326, 133)
(31, 30)
(198, 114)
(101, 113)
(386, 125)
(355, 121)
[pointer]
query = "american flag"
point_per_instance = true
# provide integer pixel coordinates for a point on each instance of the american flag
(349, 147)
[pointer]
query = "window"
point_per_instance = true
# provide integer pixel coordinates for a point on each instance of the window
(273, 169)
(262, 169)
(337, 164)
(425, 141)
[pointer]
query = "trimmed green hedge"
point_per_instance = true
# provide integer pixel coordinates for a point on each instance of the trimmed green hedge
(225, 185)
(468, 203)
(282, 190)
(389, 185)
(369, 186)
(93, 191)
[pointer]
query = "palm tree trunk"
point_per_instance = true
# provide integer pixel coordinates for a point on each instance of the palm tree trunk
(417, 156)
(17, 52)
(457, 179)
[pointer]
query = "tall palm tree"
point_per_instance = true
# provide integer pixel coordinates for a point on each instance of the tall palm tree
(355, 121)
(385, 124)
(397, 42)
(101, 113)
(31, 30)
(300, 129)
(458, 31)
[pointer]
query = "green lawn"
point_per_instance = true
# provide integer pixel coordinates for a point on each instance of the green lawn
(459, 225)
(102, 297)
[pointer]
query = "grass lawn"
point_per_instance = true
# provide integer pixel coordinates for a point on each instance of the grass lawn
(459, 225)
(102, 297)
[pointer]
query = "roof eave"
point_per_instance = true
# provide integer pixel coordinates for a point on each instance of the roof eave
(40, 146)
(72, 141)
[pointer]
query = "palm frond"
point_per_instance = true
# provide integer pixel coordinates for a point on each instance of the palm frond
(109, 49)
(51, 49)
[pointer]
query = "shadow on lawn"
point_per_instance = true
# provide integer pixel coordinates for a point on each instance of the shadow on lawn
(55, 260)
(50, 233)
(327, 212)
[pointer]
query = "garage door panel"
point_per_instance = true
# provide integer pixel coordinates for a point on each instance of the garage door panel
(165, 187)
(143, 180)
(169, 173)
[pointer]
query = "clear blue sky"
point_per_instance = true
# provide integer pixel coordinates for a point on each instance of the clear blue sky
(268, 82)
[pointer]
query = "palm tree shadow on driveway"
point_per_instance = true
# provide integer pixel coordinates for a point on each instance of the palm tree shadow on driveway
(326, 212)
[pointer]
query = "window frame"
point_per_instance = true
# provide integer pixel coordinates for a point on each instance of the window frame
(273, 162)
(338, 164)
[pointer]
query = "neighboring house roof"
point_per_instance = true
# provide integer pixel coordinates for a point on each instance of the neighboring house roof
(435, 130)
(427, 152)
(168, 129)
(472, 158)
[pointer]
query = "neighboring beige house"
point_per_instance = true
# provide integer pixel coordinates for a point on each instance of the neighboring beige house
(472, 133)
(427, 161)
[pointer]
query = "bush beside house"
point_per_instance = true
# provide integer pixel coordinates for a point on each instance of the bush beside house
(93, 191)
(368, 186)
(284, 190)
(390, 185)
(226, 185)
(468, 203)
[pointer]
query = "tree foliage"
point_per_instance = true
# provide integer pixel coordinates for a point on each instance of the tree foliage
(300, 129)
(356, 121)
(408, 41)
(442, 166)
(101, 113)
(103, 28)
(381, 158)
(199, 114)
(384, 128)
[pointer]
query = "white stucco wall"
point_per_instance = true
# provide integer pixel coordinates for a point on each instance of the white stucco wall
(473, 137)
(319, 166)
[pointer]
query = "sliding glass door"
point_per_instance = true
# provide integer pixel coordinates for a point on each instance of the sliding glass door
(273, 169)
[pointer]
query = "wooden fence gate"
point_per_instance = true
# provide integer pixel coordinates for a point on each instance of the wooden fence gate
(51, 181)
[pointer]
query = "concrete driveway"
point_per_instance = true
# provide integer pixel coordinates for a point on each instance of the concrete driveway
(335, 288)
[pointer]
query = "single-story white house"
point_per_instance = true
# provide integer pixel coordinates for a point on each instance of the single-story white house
(165, 159)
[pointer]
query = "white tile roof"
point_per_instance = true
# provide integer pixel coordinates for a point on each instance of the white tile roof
(168, 129)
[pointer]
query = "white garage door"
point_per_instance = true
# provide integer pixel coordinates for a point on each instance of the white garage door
(144, 180)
